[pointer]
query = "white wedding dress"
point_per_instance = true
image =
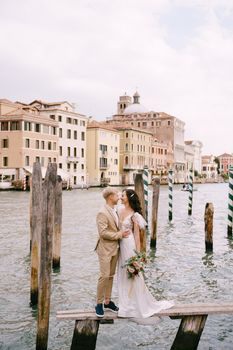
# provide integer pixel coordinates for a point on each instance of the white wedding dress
(134, 298)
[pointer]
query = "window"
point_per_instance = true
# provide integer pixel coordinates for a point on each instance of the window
(54, 160)
(139, 124)
(37, 159)
(4, 126)
(116, 149)
(168, 122)
(37, 127)
(5, 143)
(75, 180)
(75, 121)
(75, 152)
(152, 123)
(27, 126)
(82, 152)
(42, 161)
(53, 130)
(115, 161)
(126, 134)
(69, 120)
(42, 144)
(60, 165)
(82, 122)
(75, 166)
(68, 166)
(54, 146)
(60, 150)
(60, 132)
(49, 160)
(69, 134)
(27, 161)
(52, 116)
(5, 161)
(60, 118)
(27, 143)
(126, 160)
(83, 136)
(82, 166)
(49, 145)
(144, 123)
(15, 126)
(126, 147)
(75, 134)
(37, 144)
(131, 147)
(68, 151)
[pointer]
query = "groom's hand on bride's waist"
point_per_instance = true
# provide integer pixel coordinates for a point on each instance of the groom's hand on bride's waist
(125, 233)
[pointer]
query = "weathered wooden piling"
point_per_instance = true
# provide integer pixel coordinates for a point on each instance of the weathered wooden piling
(230, 204)
(189, 333)
(35, 228)
(190, 202)
(139, 189)
(48, 203)
(170, 191)
(154, 220)
(209, 213)
(145, 178)
(85, 335)
(57, 223)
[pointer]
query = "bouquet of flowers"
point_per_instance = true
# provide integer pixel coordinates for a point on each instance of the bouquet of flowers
(135, 264)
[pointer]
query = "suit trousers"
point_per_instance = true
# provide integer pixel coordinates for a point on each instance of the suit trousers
(105, 281)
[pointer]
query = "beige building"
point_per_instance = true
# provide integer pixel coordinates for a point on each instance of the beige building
(26, 136)
(209, 168)
(135, 153)
(72, 139)
(166, 129)
(103, 143)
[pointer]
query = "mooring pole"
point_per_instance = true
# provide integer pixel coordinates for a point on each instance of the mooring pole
(230, 204)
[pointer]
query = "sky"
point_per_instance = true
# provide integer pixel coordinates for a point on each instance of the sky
(178, 54)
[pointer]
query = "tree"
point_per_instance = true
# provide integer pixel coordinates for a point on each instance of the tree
(216, 160)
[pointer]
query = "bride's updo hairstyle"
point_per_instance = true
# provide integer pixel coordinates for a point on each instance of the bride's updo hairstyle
(133, 200)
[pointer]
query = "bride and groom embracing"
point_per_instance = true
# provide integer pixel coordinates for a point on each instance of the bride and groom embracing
(119, 238)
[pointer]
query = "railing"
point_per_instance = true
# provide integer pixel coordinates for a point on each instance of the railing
(72, 159)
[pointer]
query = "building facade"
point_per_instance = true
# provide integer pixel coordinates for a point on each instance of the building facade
(225, 162)
(209, 168)
(72, 129)
(26, 136)
(166, 129)
(103, 144)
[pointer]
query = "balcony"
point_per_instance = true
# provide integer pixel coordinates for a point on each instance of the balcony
(72, 159)
(104, 166)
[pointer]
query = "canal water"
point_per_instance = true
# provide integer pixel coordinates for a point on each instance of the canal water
(179, 269)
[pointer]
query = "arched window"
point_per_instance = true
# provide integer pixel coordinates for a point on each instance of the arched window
(126, 147)
(126, 160)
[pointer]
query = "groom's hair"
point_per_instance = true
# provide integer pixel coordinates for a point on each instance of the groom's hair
(107, 191)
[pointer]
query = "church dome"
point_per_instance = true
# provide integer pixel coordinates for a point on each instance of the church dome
(135, 108)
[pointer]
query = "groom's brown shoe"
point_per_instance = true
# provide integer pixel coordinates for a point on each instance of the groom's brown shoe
(111, 307)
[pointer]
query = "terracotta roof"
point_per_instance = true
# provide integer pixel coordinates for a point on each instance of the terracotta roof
(100, 125)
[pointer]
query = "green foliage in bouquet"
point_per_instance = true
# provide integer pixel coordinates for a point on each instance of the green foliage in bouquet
(135, 264)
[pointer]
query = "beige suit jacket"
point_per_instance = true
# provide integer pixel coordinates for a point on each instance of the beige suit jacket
(109, 233)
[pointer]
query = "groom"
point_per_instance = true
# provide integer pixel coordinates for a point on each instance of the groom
(107, 249)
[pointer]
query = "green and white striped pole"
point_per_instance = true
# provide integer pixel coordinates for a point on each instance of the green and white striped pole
(170, 189)
(190, 184)
(145, 177)
(230, 203)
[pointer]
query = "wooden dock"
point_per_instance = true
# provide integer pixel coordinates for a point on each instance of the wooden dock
(193, 318)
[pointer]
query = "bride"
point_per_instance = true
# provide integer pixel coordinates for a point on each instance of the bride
(134, 298)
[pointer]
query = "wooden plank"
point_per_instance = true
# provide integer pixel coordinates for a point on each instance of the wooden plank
(175, 311)
(189, 333)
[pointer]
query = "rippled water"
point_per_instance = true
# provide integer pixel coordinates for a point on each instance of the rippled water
(179, 269)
